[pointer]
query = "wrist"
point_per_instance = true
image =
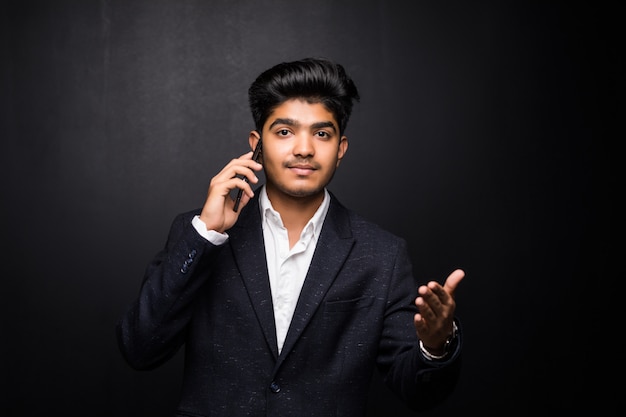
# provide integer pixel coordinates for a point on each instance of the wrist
(442, 352)
(439, 352)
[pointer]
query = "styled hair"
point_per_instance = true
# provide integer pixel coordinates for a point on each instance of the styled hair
(316, 80)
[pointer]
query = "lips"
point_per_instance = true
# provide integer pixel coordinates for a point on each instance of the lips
(302, 169)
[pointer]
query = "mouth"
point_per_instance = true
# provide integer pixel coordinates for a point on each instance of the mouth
(302, 169)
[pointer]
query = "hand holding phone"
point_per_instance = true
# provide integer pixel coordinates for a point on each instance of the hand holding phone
(255, 157)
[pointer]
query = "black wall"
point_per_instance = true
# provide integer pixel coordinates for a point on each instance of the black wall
(481, 138)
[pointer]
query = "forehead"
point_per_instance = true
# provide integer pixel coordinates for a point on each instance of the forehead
(301, 112)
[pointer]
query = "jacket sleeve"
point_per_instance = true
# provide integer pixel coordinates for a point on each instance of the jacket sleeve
(153, 328)
(420, 382)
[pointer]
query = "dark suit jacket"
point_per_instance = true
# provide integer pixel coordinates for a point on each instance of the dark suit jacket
(355, 312)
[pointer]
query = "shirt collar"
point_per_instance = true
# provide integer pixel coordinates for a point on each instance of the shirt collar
(316, 222)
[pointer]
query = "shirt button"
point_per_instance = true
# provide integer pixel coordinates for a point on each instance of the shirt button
(275, 387)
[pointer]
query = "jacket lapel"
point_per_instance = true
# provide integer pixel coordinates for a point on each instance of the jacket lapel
(333, 247)
(246, 241)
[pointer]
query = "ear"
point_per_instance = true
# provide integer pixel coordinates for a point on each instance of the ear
(343, 148)
(253, 139)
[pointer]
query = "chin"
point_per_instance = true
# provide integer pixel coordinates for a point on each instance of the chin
(302, 192)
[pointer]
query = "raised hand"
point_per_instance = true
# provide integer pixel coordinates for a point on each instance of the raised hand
(218, 213)
(436, 304)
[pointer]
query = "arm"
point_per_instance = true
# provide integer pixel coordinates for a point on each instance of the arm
(421, 382)
(153, 329)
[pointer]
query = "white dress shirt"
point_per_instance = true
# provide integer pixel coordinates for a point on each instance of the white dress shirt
(286, 267)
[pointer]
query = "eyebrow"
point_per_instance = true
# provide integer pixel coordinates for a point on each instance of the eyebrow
(292, 122)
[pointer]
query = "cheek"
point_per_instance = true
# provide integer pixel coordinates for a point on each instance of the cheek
(270, 162)
(333, 157)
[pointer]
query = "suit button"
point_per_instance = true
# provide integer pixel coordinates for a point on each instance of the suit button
(275, 387)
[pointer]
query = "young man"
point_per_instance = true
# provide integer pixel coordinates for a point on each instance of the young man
(286, 306)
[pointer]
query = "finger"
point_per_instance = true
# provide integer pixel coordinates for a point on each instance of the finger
(453, 281)
(223, 190)
(248, 156)
(243, 185)
(246, 174)
(245, 198)
(419, 323)
(243, 160)
(425, 306)
(223, 183)
(434, 294)
(238, 169)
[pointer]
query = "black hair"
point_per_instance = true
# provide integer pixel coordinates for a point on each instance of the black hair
(316, 80)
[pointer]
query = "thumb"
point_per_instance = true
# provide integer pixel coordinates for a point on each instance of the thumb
(453, 281)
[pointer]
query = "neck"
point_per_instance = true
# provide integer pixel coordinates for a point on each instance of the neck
(295, 212)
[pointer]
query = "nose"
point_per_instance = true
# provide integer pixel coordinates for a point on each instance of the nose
(303, 145)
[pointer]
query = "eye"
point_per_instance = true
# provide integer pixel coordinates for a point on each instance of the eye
(322, 134)
(283, 132)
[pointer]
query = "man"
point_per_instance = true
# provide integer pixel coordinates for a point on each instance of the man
(287, 304)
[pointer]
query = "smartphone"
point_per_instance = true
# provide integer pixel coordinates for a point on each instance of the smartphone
(255, 157)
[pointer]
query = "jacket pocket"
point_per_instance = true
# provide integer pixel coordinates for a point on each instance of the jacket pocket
(180, 413)
(348, 305)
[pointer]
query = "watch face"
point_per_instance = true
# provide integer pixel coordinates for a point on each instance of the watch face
(453, 336)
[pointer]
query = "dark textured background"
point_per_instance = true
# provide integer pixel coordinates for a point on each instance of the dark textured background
(482, 138)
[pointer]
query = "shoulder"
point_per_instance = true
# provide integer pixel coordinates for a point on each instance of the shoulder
(360, 227)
